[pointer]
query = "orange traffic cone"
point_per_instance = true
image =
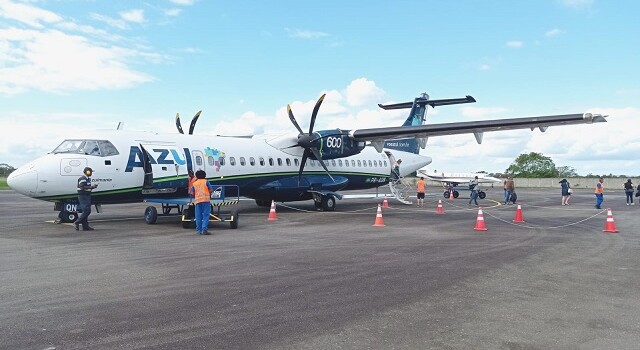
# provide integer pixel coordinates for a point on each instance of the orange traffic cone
(440, 209)
(480, 222)
(451, 195)
(518, 217)
(610, 226)
(272, 212)
(379, 221)
(385, 204)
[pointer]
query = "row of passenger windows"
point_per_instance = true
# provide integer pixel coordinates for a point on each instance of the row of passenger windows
(296, 162)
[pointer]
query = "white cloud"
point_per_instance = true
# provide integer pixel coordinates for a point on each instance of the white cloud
(117, 23)
(27, 14)
(305, 34)
(515, 44)
(57, 62)
(172, 12)
(135, 15)
(552, 32)
(362, 91)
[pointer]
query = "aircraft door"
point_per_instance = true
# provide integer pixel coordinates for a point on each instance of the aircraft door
(199, 163)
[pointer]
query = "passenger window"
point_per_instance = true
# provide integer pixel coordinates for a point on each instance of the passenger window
(288, 161)
(333, 162)
(312, 162)
(353, 163)
(339, 162)
(385, 163)
(261, 161)
(296, 162)
(279, 162)
(252, 161)
(198, 160)
(232, 161)
(242, 162)
(370, 165)
(211, 161)
(359, 163)
(270, 161)
(375, 163)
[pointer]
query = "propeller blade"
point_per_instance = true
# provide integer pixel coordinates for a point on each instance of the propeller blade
(305, 155)
(293, 119)
(193, 122)
(318, 156)
(178, 125)
(315, 112)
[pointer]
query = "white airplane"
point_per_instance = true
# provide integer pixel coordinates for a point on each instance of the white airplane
(145, 166)
(451, 180)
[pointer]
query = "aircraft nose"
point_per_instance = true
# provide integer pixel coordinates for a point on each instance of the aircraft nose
(24, 181)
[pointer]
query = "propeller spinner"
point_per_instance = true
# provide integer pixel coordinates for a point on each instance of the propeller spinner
(308, 141)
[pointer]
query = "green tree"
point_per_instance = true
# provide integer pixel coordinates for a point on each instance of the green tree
(566, 171)
(6, 169)
(532, 165)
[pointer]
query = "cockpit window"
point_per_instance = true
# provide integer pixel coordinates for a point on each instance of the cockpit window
(101, 148)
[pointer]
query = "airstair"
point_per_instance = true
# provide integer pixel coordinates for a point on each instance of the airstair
(401, 190)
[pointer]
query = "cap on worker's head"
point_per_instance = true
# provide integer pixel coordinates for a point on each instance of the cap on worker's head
(476, 176)
(87, 170)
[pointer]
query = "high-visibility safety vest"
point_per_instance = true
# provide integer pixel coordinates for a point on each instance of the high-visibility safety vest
(202, 193)
(420, 186)
(599, 190)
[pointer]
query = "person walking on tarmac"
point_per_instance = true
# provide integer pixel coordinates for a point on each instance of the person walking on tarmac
(421, 188)
(84, 199)
(473, 186)
(599, 193)
(201, 190)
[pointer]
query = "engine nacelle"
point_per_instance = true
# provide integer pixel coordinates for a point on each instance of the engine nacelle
(336, 143)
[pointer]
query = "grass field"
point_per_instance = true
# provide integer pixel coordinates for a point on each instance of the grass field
(3, 183)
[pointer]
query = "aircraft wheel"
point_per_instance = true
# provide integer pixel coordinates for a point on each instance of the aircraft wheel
(150, 215)
(69, 217)
(328, 203)
(481, 194)
(446, 194)
(455, 194)
(234, 224)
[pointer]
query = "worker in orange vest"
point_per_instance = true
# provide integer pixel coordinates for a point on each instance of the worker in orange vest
(421, 188)
(598, 193)
(201, 191)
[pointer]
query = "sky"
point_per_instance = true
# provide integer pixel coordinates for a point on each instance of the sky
(68, 66)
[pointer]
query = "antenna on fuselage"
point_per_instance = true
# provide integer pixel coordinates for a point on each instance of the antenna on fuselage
(120, 126)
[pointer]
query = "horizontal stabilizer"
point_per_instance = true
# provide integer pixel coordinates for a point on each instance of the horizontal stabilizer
(432, 103)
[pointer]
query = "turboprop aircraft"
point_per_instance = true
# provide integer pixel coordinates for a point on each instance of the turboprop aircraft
(451, 180)
(131, 166)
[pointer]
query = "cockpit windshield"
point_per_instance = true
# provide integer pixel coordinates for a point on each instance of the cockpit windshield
(101, 148)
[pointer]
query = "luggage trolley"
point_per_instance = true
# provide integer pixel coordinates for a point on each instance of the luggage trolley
(218, 201)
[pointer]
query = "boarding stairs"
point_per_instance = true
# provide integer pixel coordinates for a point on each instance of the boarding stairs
(401, 190)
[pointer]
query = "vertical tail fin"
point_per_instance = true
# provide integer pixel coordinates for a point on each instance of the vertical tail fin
(418, 116)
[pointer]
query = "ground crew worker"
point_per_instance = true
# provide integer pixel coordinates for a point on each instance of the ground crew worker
(192, 179)
(201, 190)
(599, 193)
(421, 188)
(84, 199)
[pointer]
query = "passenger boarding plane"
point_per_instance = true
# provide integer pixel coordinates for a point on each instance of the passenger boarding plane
(145, 166)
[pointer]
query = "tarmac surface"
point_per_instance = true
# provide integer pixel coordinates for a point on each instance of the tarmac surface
(314, 280)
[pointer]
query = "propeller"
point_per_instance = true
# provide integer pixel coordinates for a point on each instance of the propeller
(191, 127)
(307, 140)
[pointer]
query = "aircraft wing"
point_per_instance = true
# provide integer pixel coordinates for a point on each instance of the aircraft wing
(475, 127)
